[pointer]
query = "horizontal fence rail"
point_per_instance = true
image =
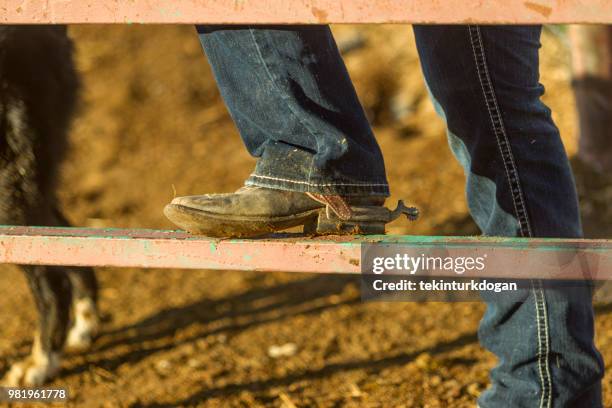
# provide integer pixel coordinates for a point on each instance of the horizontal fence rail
(505, 257)
(305, 11)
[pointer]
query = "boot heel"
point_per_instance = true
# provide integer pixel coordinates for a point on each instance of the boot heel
(335, 226)
(366, 220)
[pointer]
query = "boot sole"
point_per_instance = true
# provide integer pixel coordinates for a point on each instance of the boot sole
(368, 220)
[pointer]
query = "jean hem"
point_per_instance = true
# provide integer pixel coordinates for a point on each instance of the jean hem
(342, 188)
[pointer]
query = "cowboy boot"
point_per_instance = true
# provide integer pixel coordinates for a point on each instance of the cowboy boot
(253, 211)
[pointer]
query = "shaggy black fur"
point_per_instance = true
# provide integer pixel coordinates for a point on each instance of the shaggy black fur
(38, 95)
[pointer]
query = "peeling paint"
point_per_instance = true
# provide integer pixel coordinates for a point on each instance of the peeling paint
(539, 8)
(320, 14)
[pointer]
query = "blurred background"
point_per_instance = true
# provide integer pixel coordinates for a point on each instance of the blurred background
(152, 125)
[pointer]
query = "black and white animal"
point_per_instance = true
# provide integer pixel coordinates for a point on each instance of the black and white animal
(38, 93)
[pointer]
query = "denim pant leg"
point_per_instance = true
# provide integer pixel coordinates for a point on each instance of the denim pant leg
(484, 82)
(293, 102)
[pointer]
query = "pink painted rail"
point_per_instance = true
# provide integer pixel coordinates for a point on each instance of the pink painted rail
(505, 257)
(305, 11)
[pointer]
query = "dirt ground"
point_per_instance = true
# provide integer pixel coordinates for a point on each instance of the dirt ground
(152, 125)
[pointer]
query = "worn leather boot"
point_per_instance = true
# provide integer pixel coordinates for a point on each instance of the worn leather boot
(253, 211)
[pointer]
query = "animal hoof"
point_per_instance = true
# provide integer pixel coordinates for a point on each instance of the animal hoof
(85, 327)
(32, 371)
(78, 340)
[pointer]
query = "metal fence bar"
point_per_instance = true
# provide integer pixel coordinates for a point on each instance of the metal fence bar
(505, 257)
(305, 11)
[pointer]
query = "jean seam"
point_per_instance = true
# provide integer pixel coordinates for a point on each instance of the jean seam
(519, 206)
(272, 80)
(320, 184)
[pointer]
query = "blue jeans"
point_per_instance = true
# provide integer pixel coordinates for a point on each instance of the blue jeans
(293, 102)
